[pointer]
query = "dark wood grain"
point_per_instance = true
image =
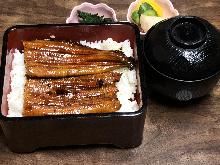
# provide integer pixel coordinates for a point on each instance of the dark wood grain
(172, 135)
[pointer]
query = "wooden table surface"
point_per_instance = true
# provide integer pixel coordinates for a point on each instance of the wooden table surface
(172, 134)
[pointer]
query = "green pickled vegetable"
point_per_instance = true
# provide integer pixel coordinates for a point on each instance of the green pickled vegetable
(144, 7)
(85, 17)
(135, 17)
(150, 13)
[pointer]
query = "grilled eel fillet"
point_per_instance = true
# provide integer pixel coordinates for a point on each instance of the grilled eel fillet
(74, 95)
(58, 59)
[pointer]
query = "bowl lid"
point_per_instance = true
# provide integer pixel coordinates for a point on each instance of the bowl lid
(183, 48)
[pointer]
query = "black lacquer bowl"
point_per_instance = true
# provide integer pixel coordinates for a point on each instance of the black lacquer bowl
(25, 134)
(182, 57)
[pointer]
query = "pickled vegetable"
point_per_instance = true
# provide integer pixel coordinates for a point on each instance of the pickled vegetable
(135, 17)
(150, 13)
(147, 22)
(85, 17)
(144, 7)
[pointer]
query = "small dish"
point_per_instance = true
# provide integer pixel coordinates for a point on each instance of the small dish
(25, 134)
(101, 8)
(168, 10)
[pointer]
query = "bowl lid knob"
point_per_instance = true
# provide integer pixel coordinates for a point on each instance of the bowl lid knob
(188, 33)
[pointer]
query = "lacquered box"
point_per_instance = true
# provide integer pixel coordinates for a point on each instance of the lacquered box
(25, 134)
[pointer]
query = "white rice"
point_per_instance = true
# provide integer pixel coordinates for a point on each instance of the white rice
(127, 85)
(110, 44)
(17, 75)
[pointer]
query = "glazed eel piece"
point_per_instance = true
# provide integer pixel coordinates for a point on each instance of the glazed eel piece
(72, 84)
(63, 98)
(104, 105)
(73, 95)
(59, 59)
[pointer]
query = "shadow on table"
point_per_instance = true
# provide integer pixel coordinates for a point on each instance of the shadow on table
(75, 148)
(1, 131)
(162, 100)
(171, 115)
(79, 147)
(3, 147)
